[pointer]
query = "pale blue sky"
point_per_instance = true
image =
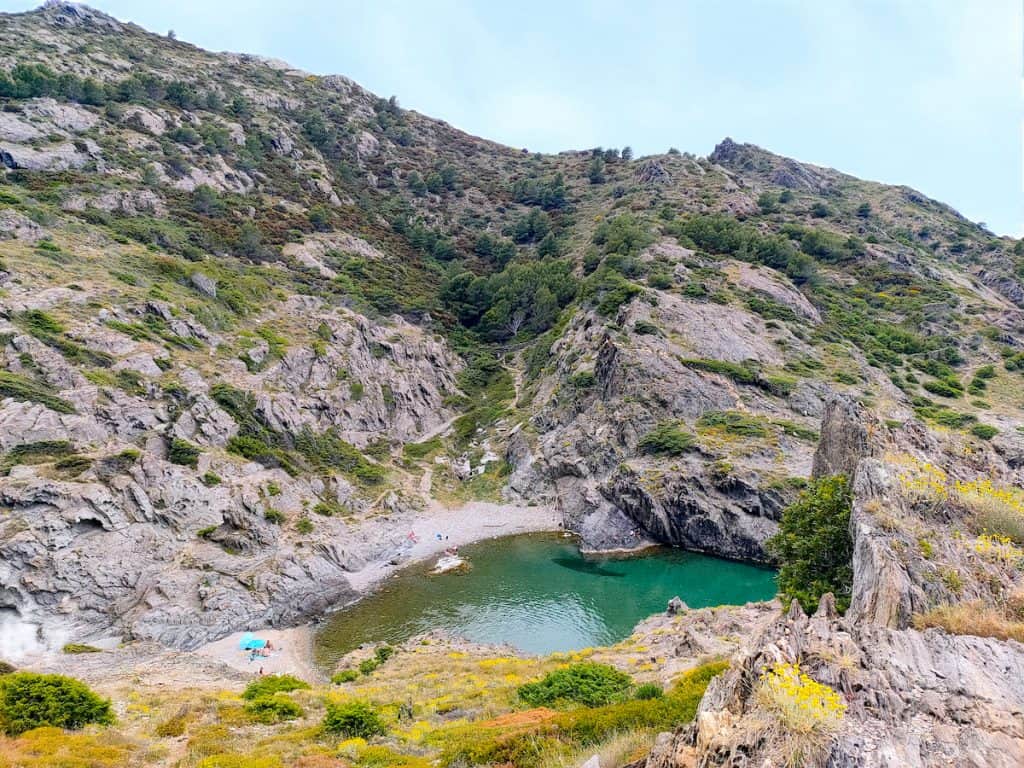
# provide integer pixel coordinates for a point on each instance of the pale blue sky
(920, 92)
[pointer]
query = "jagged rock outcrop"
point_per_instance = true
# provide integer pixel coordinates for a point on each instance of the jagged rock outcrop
(914, 698)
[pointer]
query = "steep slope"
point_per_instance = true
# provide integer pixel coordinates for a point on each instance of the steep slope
(243, 304)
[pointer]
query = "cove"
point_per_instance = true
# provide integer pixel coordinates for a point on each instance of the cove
(537, 593)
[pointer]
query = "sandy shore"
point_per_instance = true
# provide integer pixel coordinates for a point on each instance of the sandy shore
(292, 653)
(476, 521)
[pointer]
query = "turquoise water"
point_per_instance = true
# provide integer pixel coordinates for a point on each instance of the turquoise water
(538, 594)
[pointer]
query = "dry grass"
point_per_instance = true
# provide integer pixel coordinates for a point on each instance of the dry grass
(975, 618)
(619, 750)
(54, 748)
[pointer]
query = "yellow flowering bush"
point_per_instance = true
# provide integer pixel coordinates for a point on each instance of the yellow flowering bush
(1000, 549)
(804, 713)
(920, 480)
(994, 509)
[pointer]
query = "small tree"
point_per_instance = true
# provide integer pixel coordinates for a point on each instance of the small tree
(595, 172)
(250, 240)
(320, 218)
(768, 203)
(627, 153)
(205, 199)
(814, 545)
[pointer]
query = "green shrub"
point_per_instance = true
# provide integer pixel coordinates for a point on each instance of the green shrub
(679, 705)
(583, 380)
(944, 388)
(744, 373)
(770, 309)
(75, 648)
(733, 423)
(184, 453)
(644, 328)
(273, 709)
(328, 508)
(586, 683)
(304, 525)
(383, 652)
(984, 431)
(73, 465)
(421, 450)
(274, 516)
(29, 700)
(210, 479)
(271, 684)
(344, 676)
(667, 438)
(38, 452)
(648, 691)
(793, 429)
(985, 372)
(738, 372)
(353, 719)
(367, 666)
(814, 545)
(20, 388)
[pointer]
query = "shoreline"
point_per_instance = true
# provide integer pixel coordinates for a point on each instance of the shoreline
(473, 522)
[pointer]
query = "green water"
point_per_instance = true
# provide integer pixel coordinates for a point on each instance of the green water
(538, 594)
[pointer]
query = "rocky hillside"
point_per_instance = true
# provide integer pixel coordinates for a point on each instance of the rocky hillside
(253, 320)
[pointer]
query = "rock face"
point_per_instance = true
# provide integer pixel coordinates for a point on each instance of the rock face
(723, 496)
(131, 544)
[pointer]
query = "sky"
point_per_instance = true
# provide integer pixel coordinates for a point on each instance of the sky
(926, 93)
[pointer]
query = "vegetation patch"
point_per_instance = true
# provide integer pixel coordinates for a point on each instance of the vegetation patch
(744, 373)
(805, 715)
(29, 700)
(586, 683)
(668, 438)
(76, 648)
(973, 618)
(353, 719)
(272, 684)
(20, 388)
(733, 423)
(275, 708)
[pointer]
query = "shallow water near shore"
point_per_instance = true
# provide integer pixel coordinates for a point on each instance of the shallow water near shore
(537, 593)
